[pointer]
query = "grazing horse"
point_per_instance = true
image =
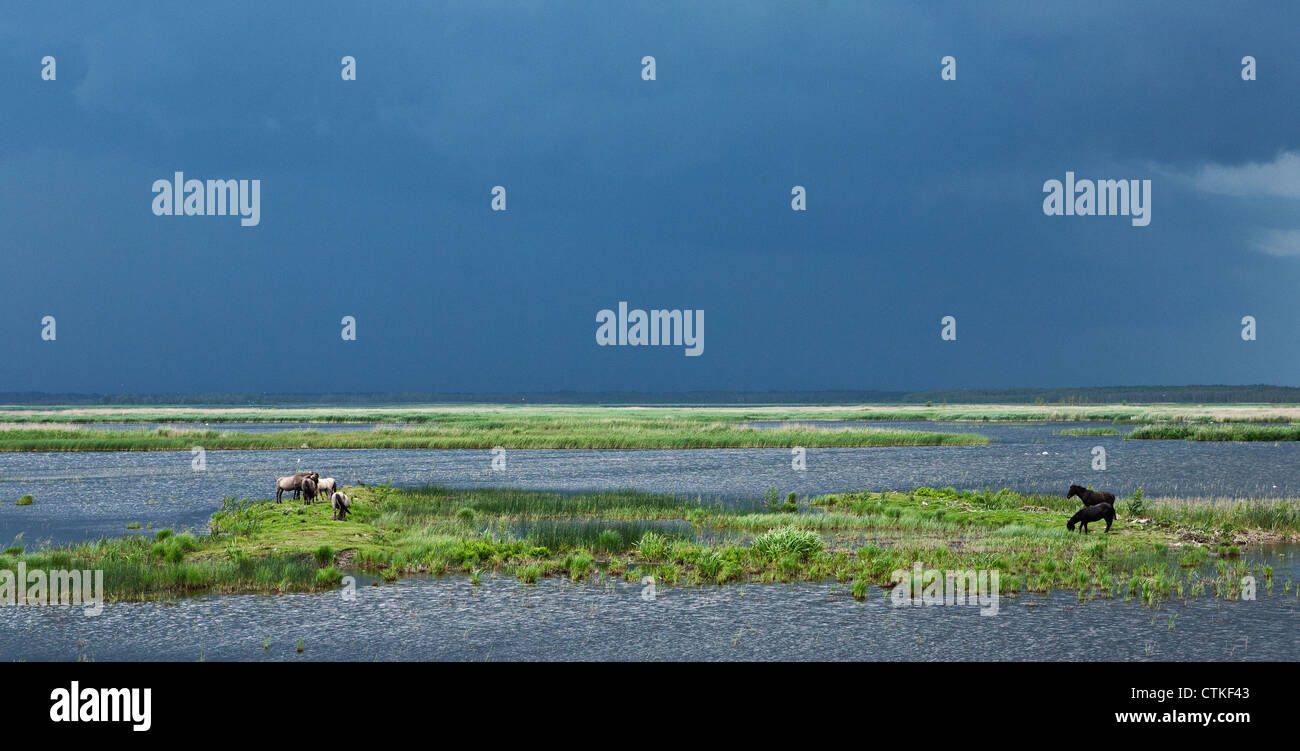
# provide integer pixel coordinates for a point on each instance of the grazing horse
(308, 490)
(294, 483)
(1091, 514)
(1090, 497)
(326, 486)
(342, 505)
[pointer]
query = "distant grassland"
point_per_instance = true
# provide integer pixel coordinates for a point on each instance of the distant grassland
(529, 432)
(443, 414)
(588, 427)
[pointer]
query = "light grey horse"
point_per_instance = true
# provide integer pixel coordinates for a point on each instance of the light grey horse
(326, 486)
(342, 505)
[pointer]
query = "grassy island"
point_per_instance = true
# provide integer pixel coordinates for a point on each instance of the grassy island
(1173, 550)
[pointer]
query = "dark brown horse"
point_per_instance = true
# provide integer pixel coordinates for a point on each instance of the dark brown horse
(1090, 497)
(1093, 513)
(308, 490)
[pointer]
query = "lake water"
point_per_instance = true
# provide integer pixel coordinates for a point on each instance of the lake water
(80, 496)
(85, 495)
(450, 619)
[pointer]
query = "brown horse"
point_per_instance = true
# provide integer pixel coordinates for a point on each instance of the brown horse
(294, 483)
(308, 490)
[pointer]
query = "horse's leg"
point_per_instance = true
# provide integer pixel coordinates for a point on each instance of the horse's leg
(1085, 528)
(279, 491)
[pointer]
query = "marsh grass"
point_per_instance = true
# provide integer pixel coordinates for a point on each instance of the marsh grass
(1233, 432)
(137, 569)
(421, 502)
(600, 535)
(781, 542)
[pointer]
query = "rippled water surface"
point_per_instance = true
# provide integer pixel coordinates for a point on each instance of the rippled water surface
(450, 619)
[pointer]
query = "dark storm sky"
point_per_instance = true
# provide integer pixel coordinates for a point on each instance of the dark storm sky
(924, 196)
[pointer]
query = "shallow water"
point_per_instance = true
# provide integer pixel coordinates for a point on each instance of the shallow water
(81, 496)
(450, 619)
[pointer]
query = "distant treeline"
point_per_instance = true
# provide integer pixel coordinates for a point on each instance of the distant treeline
(1046, 396)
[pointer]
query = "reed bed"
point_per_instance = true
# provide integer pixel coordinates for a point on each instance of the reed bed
(1234, 432)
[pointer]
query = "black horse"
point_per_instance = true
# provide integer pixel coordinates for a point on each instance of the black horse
(1090, 497)
(1091, 514)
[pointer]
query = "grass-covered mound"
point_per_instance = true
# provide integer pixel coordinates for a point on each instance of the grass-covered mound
(1172, 549)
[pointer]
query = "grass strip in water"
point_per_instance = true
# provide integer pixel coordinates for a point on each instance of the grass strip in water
(486, 433)
(1234, 432)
